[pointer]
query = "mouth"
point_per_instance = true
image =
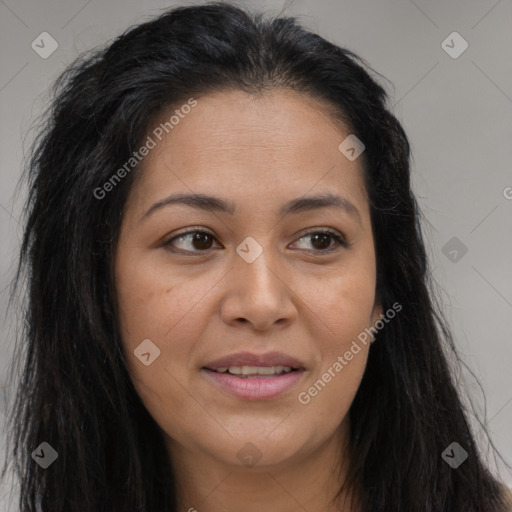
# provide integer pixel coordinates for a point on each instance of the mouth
(254, 376)
(254, 372)
(253, 382)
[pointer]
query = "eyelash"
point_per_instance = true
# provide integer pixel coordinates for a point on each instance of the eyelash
(340, 241)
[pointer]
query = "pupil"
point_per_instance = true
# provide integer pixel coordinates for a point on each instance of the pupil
(321, 236)
(201, 238)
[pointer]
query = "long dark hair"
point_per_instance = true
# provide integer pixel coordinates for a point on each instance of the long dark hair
(75, 392)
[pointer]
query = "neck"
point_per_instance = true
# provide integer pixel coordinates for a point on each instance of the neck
(310, 481)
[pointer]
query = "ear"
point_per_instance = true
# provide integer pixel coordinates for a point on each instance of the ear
(377, 312)
(376, 316)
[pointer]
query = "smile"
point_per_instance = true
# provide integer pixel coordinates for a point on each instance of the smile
(253, 382)
(254, 371)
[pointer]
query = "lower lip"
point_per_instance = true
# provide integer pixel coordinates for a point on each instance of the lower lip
(256, 388)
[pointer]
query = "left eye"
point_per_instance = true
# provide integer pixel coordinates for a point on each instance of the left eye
(202, 241)
(322, 238)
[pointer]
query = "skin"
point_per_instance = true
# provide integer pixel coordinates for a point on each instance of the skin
(296, 297)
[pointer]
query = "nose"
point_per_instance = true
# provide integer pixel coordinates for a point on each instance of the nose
(259, 294)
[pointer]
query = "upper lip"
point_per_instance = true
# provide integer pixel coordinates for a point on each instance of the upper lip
(248, 359)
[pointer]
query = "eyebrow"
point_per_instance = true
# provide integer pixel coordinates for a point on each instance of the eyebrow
(295, 206)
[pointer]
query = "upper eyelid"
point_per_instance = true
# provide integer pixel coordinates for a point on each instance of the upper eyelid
(191, 231)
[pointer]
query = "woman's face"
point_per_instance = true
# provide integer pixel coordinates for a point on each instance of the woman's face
(262, 281)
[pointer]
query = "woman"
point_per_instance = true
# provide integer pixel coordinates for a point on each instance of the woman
(228, 303)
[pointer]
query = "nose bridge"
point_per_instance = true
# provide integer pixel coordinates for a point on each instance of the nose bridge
(258, 293)
(255, 268)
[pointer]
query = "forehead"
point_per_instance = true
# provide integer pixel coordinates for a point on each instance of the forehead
(277, 142)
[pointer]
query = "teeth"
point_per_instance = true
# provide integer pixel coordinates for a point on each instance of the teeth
(255, 370)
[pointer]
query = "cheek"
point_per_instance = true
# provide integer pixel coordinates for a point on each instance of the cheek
(152, 301)
(166, 311)
(341, 319)
(163, 308)
(341, 308)
(341, 304)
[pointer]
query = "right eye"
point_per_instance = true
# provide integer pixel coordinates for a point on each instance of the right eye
(200, 241)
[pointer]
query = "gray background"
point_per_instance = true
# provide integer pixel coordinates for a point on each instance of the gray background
(457, 113)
